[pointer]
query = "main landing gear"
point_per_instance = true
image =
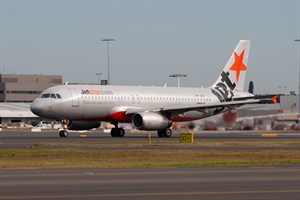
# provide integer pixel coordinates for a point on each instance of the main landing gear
(117, 132)
(164, 132)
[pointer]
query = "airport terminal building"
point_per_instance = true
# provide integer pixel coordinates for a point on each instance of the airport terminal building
(25, 88)
(17, 91)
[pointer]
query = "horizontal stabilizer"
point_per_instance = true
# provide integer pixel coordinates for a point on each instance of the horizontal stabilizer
(273, 98)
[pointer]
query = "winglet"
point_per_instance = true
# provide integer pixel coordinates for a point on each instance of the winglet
(274, 99)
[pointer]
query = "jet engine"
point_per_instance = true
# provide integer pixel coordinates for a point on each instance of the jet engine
(150, 121)
(83, 125)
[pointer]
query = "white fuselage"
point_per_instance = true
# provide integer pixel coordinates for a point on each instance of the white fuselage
(110, 103)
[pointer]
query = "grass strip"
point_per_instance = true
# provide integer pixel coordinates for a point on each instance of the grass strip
(274, 143)
(78, 158)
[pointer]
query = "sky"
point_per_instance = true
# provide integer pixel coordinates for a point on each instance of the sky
(153, 39)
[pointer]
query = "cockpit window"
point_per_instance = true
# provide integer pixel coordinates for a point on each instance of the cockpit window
(53, 96)
(45, 95)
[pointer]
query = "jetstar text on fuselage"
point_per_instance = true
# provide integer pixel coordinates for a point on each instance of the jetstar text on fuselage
(96, 92)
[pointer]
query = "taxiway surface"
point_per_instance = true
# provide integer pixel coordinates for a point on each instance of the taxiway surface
(167, 183)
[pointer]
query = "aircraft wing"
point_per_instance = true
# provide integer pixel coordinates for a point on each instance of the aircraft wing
(131, 111)
(201, 107)
(204, 106)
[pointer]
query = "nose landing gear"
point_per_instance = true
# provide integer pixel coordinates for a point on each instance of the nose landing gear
(63, 133)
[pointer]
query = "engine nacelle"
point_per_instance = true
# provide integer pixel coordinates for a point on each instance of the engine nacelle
(83, 125)
(150, 121)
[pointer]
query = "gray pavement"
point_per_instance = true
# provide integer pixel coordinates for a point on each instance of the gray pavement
(25, 138)
(167, 183)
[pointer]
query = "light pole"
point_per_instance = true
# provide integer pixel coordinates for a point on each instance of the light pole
(298, 40)
(108, 73)
(178, 78)
(99, 79)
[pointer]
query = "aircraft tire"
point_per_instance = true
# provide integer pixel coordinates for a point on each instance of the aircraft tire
(63, 133)
(167, 132)
(113, 132)
(160, 133)
(120, 132)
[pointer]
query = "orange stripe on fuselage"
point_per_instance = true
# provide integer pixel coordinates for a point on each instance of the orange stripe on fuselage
(115, 117)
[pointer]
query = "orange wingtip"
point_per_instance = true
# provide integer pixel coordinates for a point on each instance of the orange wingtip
(274, 99)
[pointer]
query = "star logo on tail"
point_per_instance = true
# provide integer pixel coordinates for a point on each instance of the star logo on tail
(238, 65)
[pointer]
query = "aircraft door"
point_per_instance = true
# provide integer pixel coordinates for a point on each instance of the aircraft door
(132, 99)
(138, 99)
(75, 97)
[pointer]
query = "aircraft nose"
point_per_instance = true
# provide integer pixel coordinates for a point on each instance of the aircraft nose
(36, 108)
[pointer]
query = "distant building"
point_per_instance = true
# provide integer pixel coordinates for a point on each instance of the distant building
(25, 88)
(16, 113)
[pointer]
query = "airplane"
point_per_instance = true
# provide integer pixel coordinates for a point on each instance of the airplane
(83, 107)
